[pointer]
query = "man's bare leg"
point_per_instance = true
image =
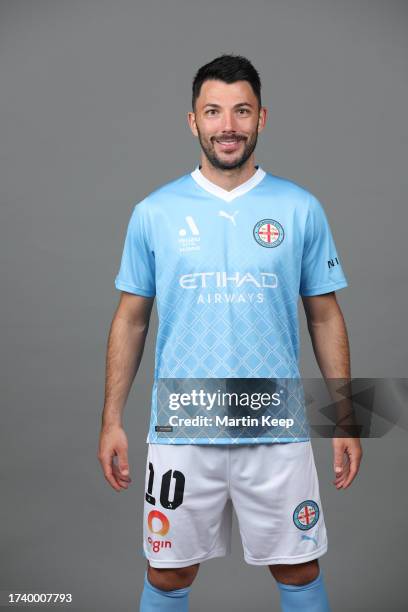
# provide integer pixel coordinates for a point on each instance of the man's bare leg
(168, 579)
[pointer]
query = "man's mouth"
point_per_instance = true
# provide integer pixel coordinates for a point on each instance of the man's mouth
(228, 144)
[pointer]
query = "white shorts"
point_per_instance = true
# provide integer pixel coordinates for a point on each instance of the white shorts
(190, 490)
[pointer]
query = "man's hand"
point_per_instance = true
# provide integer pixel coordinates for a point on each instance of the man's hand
(113, 442)
(347, 457)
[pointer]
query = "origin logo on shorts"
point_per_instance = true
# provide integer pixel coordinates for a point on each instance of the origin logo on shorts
(268, 233)
(306, 515)
(165, 523)
(161, 530)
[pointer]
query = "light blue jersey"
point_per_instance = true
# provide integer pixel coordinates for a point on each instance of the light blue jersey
(227, 268)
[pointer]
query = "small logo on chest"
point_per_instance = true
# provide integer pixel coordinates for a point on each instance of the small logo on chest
(222, 213)
(189, 240)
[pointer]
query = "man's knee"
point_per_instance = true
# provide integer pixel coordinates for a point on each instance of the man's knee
(169, 579)
(298, 574)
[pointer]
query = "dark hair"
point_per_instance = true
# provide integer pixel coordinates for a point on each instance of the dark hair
(227, 68)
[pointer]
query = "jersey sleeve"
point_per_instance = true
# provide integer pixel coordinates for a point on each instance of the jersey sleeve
(137, 268)
(321, 270)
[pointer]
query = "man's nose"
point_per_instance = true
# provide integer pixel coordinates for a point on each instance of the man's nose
(229, 123)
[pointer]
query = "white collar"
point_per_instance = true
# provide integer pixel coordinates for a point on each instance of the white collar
(218, 191)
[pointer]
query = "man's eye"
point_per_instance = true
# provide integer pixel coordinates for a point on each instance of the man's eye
(211, 110)
(243, 110)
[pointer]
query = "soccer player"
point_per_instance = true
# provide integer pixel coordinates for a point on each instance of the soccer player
(227, 249)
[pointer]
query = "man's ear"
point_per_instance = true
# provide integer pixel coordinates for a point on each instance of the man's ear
(263, 114)
(192, 122)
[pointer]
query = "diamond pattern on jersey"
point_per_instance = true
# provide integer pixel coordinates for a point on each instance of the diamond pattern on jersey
(248, 328)
(228, 339)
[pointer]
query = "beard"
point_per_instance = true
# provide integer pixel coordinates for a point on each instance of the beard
(223, 164)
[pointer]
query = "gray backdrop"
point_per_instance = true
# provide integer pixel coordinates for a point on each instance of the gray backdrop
(93, 103)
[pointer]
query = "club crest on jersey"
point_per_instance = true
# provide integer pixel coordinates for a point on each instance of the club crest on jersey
(306, 515)
(268, 233)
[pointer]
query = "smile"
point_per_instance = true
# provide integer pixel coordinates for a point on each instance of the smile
(228, 145)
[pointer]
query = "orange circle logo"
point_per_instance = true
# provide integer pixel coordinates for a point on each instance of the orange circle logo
(165, 525)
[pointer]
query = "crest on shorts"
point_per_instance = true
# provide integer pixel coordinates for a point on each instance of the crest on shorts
(268, 233)
(306, 515)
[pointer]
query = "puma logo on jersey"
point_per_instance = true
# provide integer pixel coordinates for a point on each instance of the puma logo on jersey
(222, 213)
(305, 537)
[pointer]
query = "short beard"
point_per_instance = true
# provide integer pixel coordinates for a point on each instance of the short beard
(221, 165)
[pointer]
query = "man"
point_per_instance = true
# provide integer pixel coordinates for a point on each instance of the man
(227, 249)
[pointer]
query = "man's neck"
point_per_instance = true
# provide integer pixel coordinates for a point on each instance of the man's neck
(228, 179)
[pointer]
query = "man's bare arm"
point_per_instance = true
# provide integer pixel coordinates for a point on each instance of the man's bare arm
(126, 342)
(329, 337)
(328, 333)
(125, 347)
